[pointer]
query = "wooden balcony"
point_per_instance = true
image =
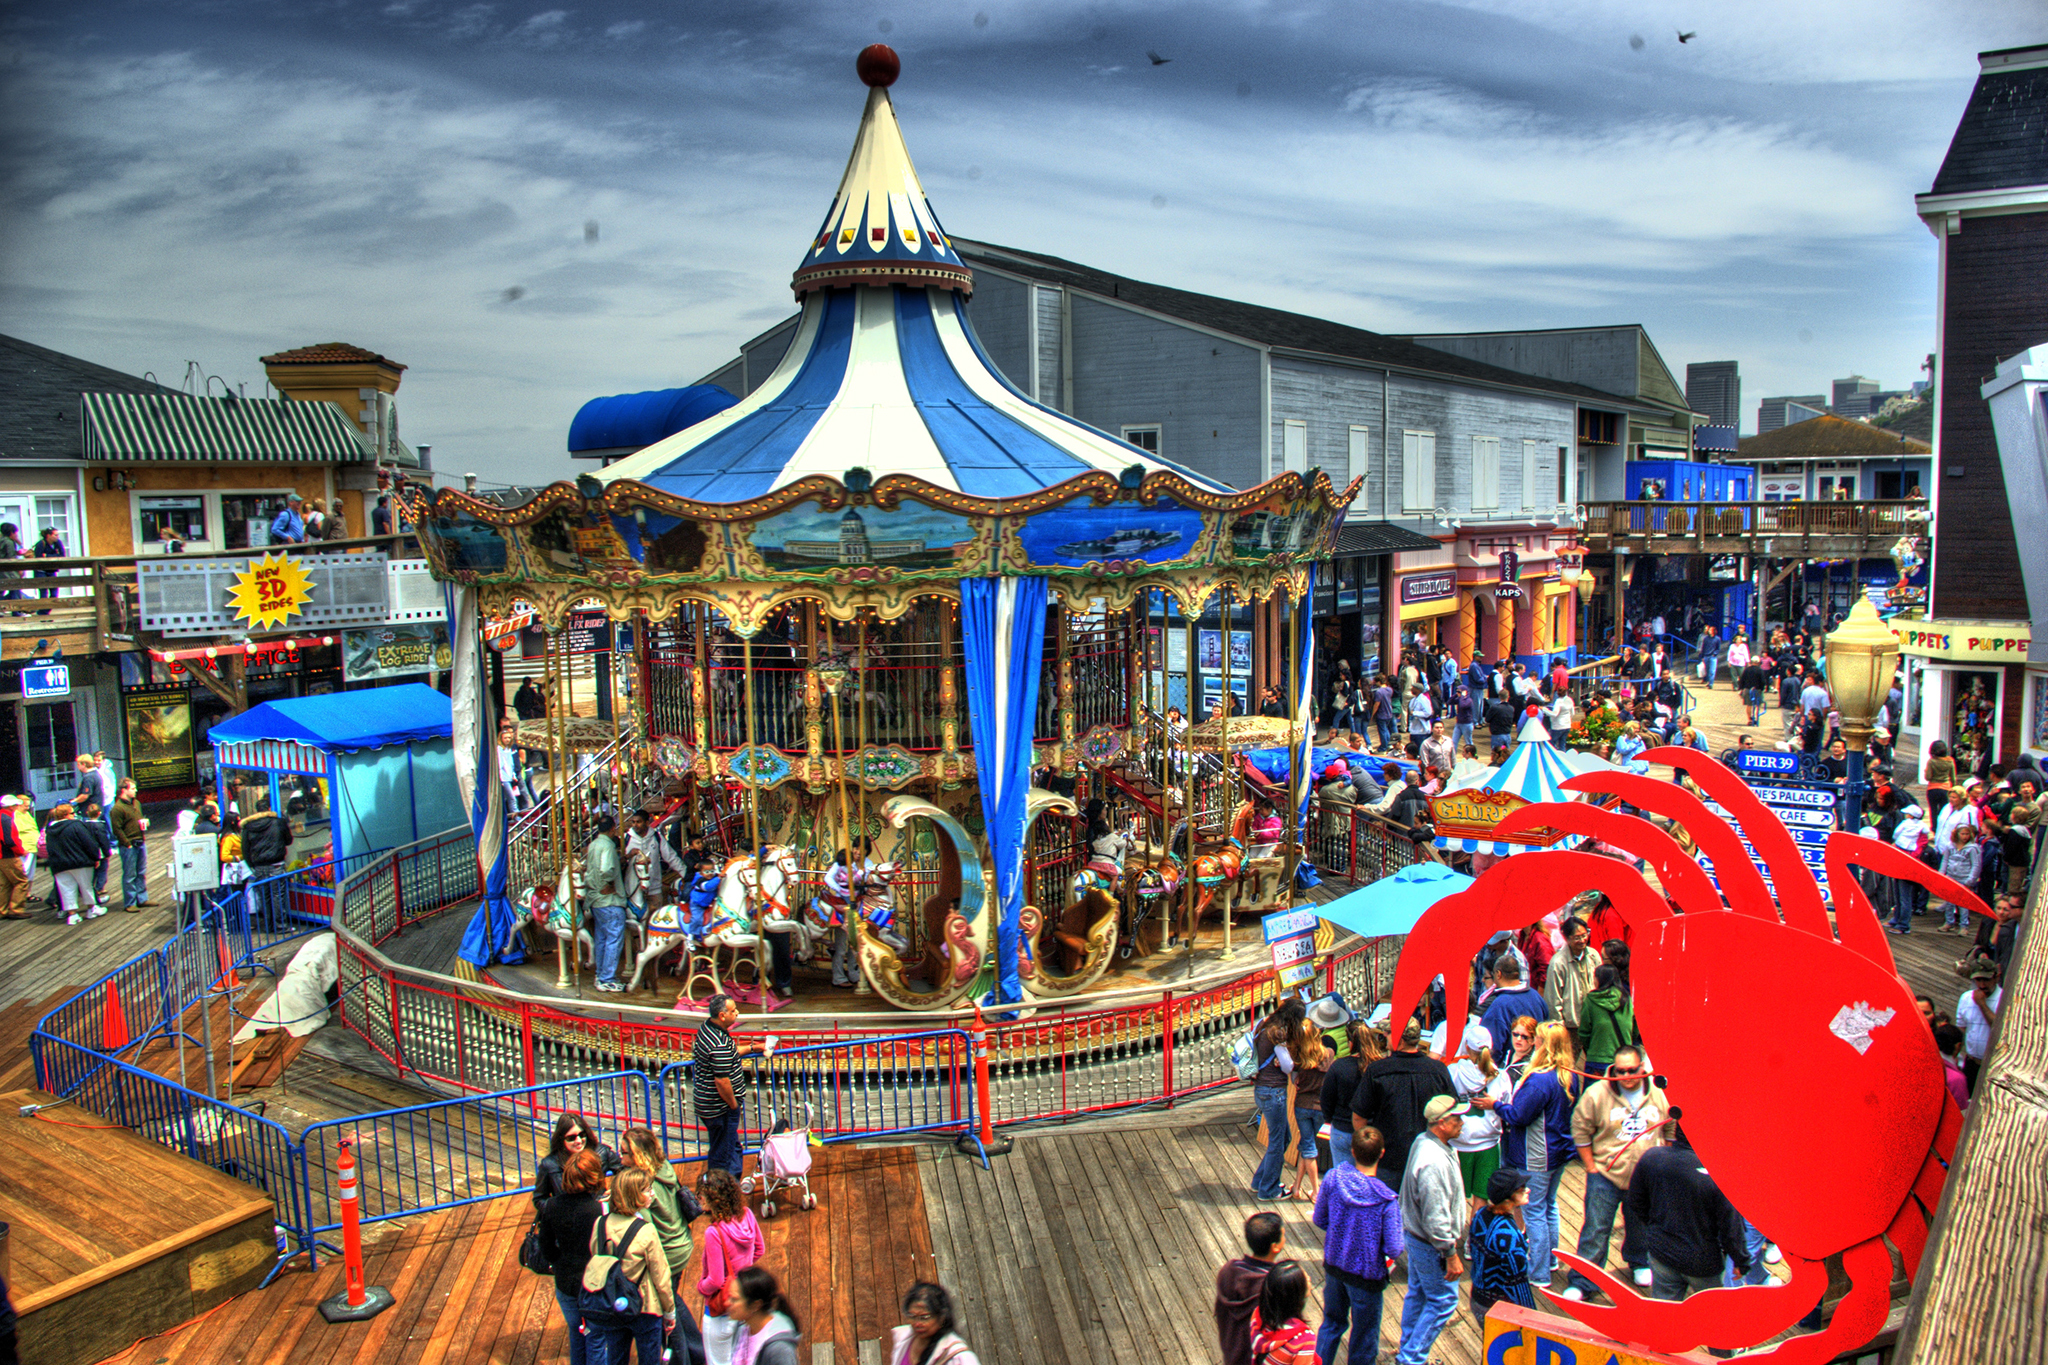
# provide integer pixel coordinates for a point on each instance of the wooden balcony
(91, 605)
(1776, 530)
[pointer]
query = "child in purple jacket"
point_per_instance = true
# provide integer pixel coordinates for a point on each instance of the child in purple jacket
(1361, 1221)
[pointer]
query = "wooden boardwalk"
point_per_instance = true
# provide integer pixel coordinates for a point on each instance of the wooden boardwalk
(463, 1299)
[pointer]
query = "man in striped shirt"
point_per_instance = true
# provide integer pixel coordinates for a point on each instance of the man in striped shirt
(718, 1082)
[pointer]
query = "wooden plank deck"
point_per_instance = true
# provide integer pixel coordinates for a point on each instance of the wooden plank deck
(464, 1300)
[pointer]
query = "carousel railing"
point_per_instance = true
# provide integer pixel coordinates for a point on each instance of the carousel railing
(1350, 844)
(1098, 659)
(778, 711)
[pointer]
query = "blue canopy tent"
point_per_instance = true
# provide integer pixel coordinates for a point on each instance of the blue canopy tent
(384, 759)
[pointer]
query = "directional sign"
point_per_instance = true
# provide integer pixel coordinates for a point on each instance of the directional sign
(1805, 810)
(1296, 949)
(1287, 923)
(1296, 973)
(1759, 762)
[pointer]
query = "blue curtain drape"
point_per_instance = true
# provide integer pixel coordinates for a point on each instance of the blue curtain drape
(489, 937)
(1002, 634)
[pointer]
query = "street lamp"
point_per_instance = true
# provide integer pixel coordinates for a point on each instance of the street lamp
(1862, 654)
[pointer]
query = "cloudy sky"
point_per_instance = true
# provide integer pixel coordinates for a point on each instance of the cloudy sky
(210, 180)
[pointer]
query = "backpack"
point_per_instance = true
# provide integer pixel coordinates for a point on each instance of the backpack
(1244, 1054)
(613, 1298)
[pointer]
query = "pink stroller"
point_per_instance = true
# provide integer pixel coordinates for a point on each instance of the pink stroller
(786, 1161)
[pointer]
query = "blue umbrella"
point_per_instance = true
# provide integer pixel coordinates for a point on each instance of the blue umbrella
(1393, 904)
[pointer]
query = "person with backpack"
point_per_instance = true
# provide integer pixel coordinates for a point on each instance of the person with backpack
(628, 1301)
(768, 1330)
(1607, 1019)
(673, 1210)
(731, 1244)
(565, 1224)
(929, 1335)
(1273, 1054)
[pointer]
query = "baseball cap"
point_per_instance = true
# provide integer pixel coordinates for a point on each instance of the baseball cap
(1502, 1184)
(1443, 1107)
(1985, 970)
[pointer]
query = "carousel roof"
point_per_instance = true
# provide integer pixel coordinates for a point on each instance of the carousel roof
(884, 372)
(1534, 771)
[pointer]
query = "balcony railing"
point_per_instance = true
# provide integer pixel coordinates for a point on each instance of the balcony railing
(1704, 521)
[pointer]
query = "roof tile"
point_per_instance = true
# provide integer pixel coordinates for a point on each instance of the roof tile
(330, 353)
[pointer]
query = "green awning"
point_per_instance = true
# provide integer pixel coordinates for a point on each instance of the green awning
(180, 427)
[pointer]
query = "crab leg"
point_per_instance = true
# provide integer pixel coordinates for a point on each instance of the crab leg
(1683, 880)
(1453, 929)
(1740, 881)
(1798, 896)
(1713, 1317)
(1896, 862)
(1855, 921)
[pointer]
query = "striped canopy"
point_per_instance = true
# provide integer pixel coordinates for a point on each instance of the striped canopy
(884, 372)
(1536, 772)
(179, 426)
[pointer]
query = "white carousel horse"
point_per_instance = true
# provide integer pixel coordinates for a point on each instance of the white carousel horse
(556, 911)
(731, 927)
(1104, 869)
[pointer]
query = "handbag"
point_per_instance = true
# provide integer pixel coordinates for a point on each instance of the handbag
(530, 1254)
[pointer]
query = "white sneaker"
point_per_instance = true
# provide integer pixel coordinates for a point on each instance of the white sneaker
(1643, 1278)
(74, 918)
(1574, 1293)
(96, 912)
(1772, 1255)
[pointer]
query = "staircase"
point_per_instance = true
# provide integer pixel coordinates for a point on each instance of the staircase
(603, 779)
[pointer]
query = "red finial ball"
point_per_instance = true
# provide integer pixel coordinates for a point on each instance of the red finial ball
(878, 64)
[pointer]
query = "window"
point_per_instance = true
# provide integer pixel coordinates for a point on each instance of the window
(1564, 476)
(1599, 428)
(1485, 471)
(182, 517)
(245, 519)
(1355, 468)
(1145, 438)
(1585, 470)
(52, 735)
(1294, 446)
(1532, 494)
(1418, 471)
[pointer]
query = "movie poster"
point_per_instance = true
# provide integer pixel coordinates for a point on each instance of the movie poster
(159, 727)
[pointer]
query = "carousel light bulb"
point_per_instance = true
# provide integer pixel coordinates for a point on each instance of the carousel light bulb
(212, 653)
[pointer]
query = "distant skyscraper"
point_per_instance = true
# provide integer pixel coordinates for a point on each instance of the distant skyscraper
(1852, 396)
(1714, 387)
(1773, 413)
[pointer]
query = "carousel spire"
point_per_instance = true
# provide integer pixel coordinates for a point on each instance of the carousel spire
(881, 229)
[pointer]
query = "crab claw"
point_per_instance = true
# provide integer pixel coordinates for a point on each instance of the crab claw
(1452, 930)
(1732, 1317)
(1714, 1317)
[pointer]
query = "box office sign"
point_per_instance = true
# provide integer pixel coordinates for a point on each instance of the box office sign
(394, 652)
(158, 721)
(1428, 587)
(186, 595)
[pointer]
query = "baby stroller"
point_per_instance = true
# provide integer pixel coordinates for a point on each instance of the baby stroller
(786, 1161)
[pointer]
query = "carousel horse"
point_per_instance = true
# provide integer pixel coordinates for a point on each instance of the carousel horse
(1104, 869)
(1083, 934)
(730, 925)
(555, 911)
(1152, 893)
(873, 903)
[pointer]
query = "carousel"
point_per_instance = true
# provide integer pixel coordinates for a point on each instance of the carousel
(892, 639)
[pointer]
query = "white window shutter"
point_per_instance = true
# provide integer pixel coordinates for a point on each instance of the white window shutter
(1485, 471)
(1294, 446)
(1418, 471)
(1532, 491)
(1360, 436)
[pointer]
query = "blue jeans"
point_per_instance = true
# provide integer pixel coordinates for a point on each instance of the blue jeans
(1603, 1200)
(610, 938)
(1461, 736)
(612, 1342)
(1713, 663)
(1359, 1308)
(1755, 1242)
(1386, 729)
(1340, 1152)
(1307, 1118)
(135, 874)
(1540, 1216)
(1907, 899)
(723, 1133)
(1272, 1103)
(686, 1345)
(578, 1343)
(1431, 1301)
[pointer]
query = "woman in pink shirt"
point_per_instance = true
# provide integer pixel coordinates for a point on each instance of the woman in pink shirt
(731, 1244)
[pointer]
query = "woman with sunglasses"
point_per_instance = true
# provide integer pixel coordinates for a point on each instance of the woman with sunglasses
(573, 1134)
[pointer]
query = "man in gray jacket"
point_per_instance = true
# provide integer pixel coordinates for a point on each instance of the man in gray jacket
(1433, 1227)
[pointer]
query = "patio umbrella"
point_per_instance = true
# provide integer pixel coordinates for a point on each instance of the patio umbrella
(1393, 904)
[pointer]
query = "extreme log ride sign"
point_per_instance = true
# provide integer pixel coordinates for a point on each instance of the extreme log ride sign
(1476, 813)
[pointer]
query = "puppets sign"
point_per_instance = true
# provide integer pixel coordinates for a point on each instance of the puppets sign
(270, 592)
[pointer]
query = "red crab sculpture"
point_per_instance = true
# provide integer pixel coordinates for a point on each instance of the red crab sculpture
(1845, 1039)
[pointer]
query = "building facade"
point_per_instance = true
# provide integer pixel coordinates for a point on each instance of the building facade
(1713, 388)
(1975, 676)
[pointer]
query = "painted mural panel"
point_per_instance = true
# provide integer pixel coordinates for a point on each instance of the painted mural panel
(910, 536)
(1080, 533)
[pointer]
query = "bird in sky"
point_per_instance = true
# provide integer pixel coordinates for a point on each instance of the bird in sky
(1157, 60)
(1685, 37)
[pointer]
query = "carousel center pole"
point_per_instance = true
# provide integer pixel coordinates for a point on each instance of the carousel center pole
(1229, 769)
(1190, 674)
(832, 683)
(761, 954)
(1297, 785)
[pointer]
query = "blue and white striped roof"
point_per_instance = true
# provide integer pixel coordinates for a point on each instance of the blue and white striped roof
(884, 372)
(1536, 772)
(892, 380)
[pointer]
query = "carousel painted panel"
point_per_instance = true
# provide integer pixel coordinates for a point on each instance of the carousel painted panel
(862, 544)
(1118, 538)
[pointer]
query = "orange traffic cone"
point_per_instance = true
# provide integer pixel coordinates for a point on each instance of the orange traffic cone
(230, 980)
(113, 1022)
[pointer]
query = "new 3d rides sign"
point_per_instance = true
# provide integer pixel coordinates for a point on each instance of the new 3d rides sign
(270, 592)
